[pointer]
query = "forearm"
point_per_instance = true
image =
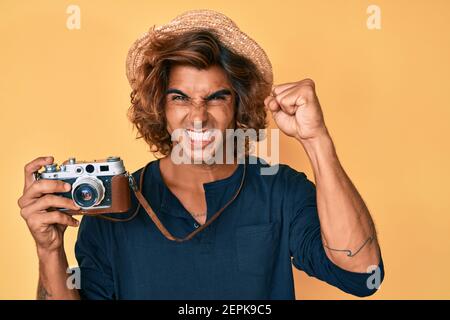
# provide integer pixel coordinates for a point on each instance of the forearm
(348, 232)
(53, 277)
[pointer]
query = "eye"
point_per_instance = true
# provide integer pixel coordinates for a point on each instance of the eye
(218, 98)
(181, 98)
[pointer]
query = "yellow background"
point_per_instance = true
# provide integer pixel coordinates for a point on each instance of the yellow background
(385, 96)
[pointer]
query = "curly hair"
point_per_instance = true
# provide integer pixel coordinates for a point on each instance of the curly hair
(200, 49)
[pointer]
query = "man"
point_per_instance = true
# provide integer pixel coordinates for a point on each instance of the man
(201, 75)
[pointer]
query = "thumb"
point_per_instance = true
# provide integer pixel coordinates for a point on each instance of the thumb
(272, 104)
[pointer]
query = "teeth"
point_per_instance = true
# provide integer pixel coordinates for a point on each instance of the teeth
(199, 136)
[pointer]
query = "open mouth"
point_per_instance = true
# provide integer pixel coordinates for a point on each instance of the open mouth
(200, 138)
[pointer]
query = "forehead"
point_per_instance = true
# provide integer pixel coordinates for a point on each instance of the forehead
(189, 78)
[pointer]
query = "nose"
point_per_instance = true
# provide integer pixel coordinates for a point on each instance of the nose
(198, 114)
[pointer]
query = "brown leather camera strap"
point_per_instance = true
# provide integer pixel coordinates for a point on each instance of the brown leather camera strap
(143, 202)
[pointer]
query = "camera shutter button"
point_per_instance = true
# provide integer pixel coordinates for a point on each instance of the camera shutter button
(50, 168)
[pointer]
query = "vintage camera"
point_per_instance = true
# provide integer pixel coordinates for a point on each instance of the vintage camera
(100, 186)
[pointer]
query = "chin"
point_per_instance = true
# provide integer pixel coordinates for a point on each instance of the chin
(205, 155)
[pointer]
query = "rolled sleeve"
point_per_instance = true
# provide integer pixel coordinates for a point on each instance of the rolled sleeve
(96, 275)
(309, 255)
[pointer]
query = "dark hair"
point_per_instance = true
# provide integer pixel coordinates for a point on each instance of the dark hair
(200, 49)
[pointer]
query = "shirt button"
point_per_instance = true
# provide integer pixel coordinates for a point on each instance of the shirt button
(196, 225)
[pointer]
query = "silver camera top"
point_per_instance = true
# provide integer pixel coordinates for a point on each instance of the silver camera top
(71, 168)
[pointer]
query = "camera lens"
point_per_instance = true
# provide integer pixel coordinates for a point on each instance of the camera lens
(88, 191)
(85, 195)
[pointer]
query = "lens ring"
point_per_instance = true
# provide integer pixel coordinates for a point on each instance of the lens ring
(85, 195)
(88, 191)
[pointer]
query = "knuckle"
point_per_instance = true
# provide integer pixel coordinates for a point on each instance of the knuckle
(309, 81)
(62, 202)
(308, 91)
(39, 183)
(274, 105)
(279, 99)
(47, 200)
(56, 184)
(32, 222)
(20, 202)
(30, 165)
(27, 168)
(60, 217)
(70, 203)
(32, 190)
(47, 186)
(54, 215)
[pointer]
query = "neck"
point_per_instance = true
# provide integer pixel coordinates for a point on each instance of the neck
(193, 176)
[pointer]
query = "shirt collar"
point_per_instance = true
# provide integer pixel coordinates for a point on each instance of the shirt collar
(217, 193)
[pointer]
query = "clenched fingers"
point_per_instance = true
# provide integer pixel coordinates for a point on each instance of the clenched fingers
(46, 202)
(42, 220)
(40, 188)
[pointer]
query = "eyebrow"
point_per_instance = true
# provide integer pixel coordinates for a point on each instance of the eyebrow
(220, 92)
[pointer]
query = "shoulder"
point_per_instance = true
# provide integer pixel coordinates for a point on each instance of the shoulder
(278, 173)
(281, 181)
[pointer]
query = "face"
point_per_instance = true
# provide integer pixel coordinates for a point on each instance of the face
(199, 108)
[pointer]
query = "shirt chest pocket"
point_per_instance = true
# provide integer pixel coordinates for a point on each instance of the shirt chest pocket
(256, 248)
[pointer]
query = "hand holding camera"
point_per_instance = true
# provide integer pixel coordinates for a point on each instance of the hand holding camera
(47, 228)
(52, 196)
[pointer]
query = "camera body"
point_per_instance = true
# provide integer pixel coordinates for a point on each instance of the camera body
(98, 187)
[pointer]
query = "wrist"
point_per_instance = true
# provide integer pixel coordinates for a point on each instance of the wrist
(319, 143)
(46, 254)
(321, 153)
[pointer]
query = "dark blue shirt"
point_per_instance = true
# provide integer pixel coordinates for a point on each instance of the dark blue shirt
(247, 253)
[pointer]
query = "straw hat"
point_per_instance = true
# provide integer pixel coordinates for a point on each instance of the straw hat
(223, 27)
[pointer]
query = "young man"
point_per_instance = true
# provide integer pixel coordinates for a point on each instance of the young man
(200, 75)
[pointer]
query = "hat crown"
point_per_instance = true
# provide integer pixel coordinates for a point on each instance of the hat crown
(227, 32)
(205, 14)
